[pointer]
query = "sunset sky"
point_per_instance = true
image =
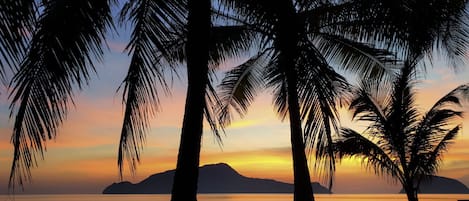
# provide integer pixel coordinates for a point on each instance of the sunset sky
(83, 157)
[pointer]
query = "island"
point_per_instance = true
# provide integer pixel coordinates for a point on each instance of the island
(441, 185)
(213, 178)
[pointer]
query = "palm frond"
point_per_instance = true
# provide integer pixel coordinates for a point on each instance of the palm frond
(454, 97)
(275, 79)
(212, 103)
(17, 19)
(368, 21)
(454, 43)
(280, 100)
(230, 41)
(371, 103)
(367, 108)
(402, 116)
(67, 40)
(429, 161)
(154, 24)
(434, 127)
(320, 13)
(353, 144)
(259, 13)
(438, 121)
(239, 87)
(141, 92)
(445, 28)
(161, 21)
(357, 57)
(396, 25)
(319, 89)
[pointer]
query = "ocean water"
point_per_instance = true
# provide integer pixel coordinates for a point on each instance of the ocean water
(233, 197)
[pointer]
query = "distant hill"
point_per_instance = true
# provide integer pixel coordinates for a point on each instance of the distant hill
(442, 185)
(215, 178)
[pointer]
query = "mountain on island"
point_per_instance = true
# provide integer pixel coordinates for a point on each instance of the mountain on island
(215, 178)
(442, 185)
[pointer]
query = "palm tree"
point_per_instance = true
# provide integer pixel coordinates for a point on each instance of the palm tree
(399, 142)
(293, 61)
(405, 146)
(202, 46)
(197, 49)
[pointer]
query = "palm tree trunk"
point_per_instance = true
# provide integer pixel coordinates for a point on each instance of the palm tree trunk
(302, 184)
(187, 168)
(411, 193)
(287, 43)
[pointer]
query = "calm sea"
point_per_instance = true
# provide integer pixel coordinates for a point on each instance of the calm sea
(233, 197)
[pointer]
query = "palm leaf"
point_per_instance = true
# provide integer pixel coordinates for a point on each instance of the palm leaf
(444, 29)
(68, 39)
(154, 22)
(275, 79)
(230, 41)
(161, 21)
(353, 144)
(321, 13)
(353, 55)
(367, 108)
(398, 24)
(453, 97)
(360, 58)
(368, 21)
(437, 122)
(17, 19)
(212, 103)
(240, 85)
(319, 89)
(429, 161)
(402, 116)
(453, 43)
(258, 13)
(431, 130)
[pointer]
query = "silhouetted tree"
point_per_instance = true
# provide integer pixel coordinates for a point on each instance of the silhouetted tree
(400, 142)
(396, 130)
(202, 47)
(293, 60)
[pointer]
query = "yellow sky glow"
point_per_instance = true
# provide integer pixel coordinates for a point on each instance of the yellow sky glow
(84, 154)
